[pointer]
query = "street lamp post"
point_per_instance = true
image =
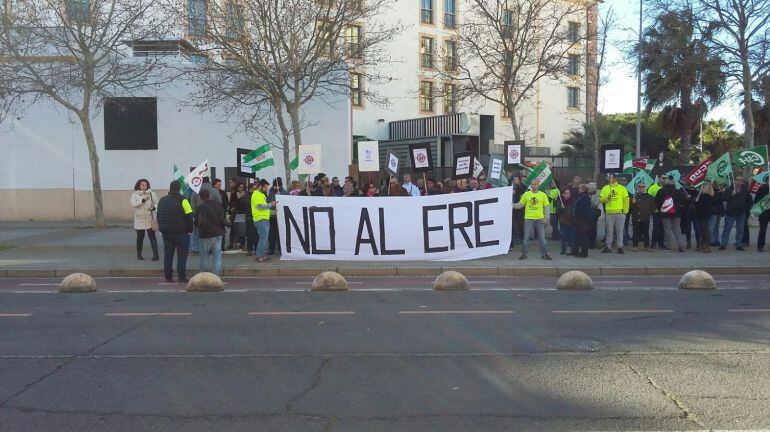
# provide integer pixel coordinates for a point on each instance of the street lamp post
(639, 88)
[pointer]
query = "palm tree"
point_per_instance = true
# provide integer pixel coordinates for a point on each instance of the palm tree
(579, 143)
(680, 74)
(761, 110)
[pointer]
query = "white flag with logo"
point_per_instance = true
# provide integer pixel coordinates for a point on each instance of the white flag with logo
(195, 178)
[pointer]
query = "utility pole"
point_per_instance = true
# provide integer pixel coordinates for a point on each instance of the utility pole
(639, 88)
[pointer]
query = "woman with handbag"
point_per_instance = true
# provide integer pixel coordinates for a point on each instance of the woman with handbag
(143, 201)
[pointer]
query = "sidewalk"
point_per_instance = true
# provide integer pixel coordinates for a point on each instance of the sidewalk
(57, 249)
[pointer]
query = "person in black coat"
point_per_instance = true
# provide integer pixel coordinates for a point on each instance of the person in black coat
(582, 217)
(175, 223)
(704, 204)
(737, 205)
(764, 217)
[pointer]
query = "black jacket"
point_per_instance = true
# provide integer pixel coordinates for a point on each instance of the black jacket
(210, 219)
(679, 199)
(704, 206)
(643, 208)
(171, 215)
(738, 203)
(582, 214)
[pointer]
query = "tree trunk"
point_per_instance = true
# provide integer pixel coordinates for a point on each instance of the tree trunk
(515, 124)
(284, 140)
(685, 136)
(96, 182)
(296, 126)
(748, 119)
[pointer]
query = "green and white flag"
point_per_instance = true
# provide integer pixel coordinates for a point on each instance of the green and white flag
(761, 206)
(628, 163)
(294, 164)
(542, 174)
(756, 156)
(179, 177)
(259, 159)
(721, 170)
(640, 177)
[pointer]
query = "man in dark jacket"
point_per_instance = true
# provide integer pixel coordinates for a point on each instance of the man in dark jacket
(210, 220)
(737, 204)
(642, 208)
(175, 222)
(764, 217)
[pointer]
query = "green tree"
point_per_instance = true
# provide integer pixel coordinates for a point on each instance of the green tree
(580, 143)
(719, 137)
(680, 74)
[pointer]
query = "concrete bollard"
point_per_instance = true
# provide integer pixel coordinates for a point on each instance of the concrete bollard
(451, 281)
(329, 281)
(77, 283)
(205, 282)
(575, 281)
(697, 279)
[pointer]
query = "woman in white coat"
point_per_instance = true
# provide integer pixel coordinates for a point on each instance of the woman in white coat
(143, 200)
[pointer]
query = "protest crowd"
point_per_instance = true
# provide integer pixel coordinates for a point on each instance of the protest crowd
(665, 213)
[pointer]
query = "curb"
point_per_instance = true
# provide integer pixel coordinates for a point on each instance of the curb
(275, 271)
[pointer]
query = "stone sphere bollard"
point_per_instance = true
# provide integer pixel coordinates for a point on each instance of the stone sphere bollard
(697, 279)
(329, 281)
(77, 283)
(575, 281)
(451, 281)
(205, 282)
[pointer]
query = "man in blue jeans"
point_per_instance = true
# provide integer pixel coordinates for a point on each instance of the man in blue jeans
(260, 210)
(210, 220)
(738, 202)
(175, 223)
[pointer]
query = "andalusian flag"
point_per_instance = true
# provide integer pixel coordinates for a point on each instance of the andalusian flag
(628, 163)
(179, 177)
(644, 164)
(260, 158)
(294, 164)
(542, 174)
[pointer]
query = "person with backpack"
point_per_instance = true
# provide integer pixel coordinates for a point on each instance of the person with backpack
(669, 201)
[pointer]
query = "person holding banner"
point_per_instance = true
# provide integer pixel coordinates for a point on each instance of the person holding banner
(536, 210)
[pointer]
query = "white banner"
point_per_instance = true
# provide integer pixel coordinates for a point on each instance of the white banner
(368, 156)
(452, 227)
(309, 159)
(195, 178)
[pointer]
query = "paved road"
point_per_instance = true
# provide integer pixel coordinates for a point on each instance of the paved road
(389, 355)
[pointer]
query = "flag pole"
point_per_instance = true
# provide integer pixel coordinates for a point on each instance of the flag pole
(425, 183)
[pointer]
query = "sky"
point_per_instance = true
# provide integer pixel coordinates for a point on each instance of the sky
(618, 95)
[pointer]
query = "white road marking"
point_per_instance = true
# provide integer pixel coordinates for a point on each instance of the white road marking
(613, 311)
(38, 284)
(457, 312)
(140, 314)
(15, 315)
(301, 313)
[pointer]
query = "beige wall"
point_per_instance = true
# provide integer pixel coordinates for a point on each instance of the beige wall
(64, 205)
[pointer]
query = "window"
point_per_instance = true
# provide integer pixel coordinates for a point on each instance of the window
(508, 63)
(426, 52)
(131, 123)
(426, 11)
(77, 10)
(357, 89)
(450, 13)
(198, 59)
(573, 65)
(324, 35)
(450, 55)
(573, 32)
(450, 98)
(426, 96)
(233, 21)
(196, 17)
(573, 97)
(353, 41)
